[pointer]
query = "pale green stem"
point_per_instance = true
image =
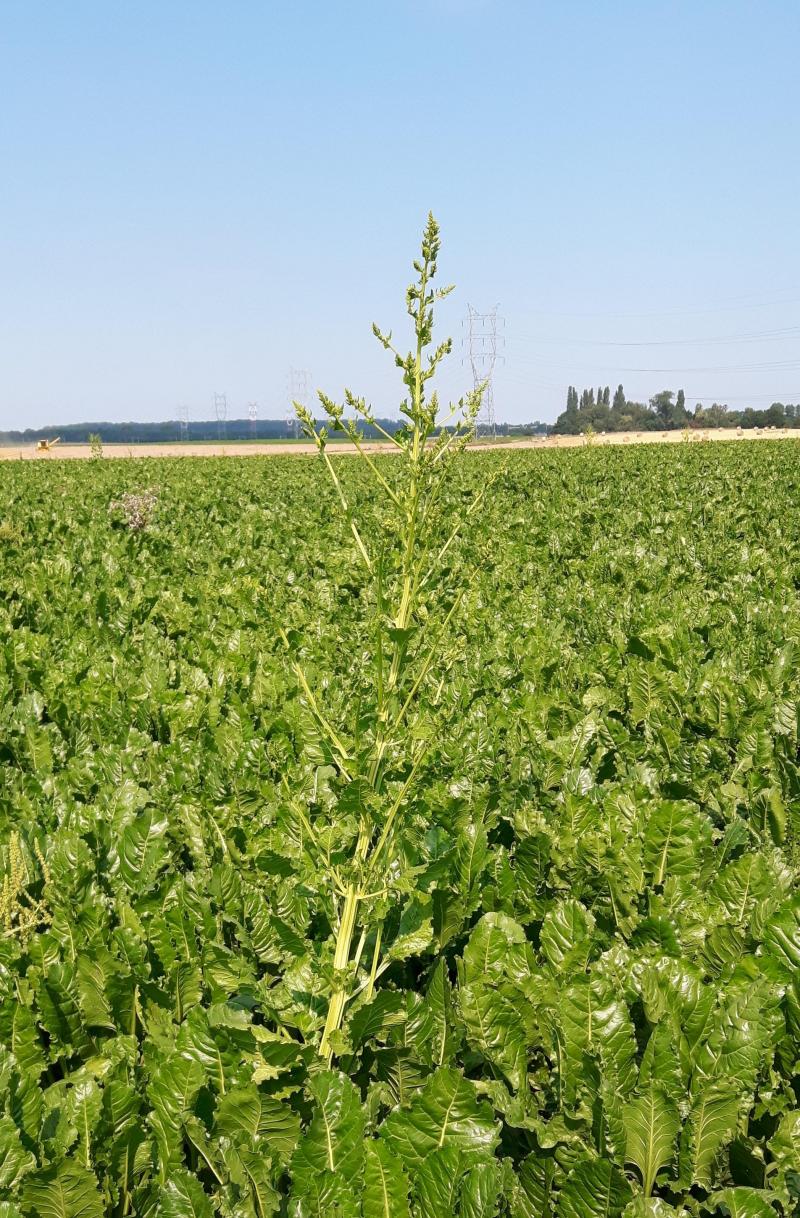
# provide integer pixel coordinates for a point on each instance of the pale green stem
(362, 939)
(426, 666)
(341, 960)
(346, 508)
(375, 957)
(341, 953)
(379, 478)
(344, 760)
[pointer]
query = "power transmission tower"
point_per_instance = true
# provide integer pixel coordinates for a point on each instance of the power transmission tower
(252, 414)
(221, 411)
(184, 422)
(299, 391)
(482, 341)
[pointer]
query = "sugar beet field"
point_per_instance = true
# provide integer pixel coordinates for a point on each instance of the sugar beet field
(329, 891)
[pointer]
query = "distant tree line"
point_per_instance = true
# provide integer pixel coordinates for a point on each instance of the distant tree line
(595, 409)
(232, 430)
(516, 429)
(664, 412)
(169, 432)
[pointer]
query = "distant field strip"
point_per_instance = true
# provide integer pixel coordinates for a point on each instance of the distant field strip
(27, 452)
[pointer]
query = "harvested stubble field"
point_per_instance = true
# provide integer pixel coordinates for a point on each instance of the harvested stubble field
(583, 998)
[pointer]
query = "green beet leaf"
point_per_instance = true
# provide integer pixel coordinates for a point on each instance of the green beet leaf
(445, 1114)
(651, 1124)
(593, 1189)
(385, 1183)
(66, 1191)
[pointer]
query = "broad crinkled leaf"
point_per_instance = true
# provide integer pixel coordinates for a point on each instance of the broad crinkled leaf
(172, 1092)
(711, 1124)
(84, 1103)
(142, 850)
(743, 884)
(415, 932)
(385, 1183)
(651, 1207)
(531, 1190)
(661, 1062)
(431, 1023)
(22, 1037)
(183, 1197)
(248, 1117)
(480, 1190)
(651, 1126)
(743, 1203)
(471, 855)
(740, 1034)
(566, 935)
(15, 1160)
(596, 1021)
(385, 1010)
(446, 1113)
(595, 1188)
(65, 1191)
(91, 985)
(496, 1026)
(437, 1183)
(497, 948)
(327, 1194)
(784, 1149)
(782, 939)
(334, 1141)
(676, 837)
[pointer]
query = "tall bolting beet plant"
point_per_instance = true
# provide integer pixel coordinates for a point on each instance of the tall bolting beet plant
(409, 603)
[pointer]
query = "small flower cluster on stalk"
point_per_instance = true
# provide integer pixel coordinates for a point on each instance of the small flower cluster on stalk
(135, 511)
(20, 912)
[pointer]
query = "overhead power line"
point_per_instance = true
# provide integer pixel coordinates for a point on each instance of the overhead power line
(785, 334)
(793, 396)
(731, 304)
(615, 369)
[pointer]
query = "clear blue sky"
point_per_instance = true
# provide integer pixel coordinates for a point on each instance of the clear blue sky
(196, 196)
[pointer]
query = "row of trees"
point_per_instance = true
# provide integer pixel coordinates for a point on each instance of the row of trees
(210, 430)
(170, 430)
(664, 412)
(595, 409)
